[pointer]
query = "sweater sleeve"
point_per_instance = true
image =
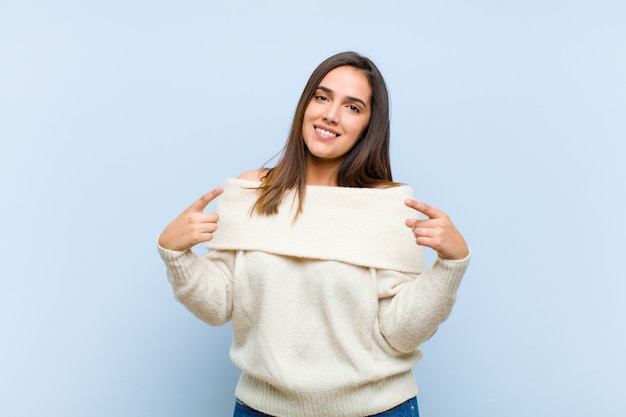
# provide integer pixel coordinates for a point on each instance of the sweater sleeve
(202, 283)
(412, 306)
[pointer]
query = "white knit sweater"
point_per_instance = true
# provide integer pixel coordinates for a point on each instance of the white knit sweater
(328, 310)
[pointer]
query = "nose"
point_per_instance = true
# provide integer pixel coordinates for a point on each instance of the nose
(331, 114)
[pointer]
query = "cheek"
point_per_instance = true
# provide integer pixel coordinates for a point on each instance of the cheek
(364, 127)
(310, 111)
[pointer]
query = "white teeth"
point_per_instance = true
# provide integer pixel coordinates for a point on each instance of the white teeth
(325, 132)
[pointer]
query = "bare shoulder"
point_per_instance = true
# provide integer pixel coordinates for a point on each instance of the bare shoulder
(254, 175)
(387, 184)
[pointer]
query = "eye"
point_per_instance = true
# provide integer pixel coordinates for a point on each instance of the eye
(321, 97)
(354, 108)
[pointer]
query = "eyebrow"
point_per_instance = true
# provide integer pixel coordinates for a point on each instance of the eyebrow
(328, 90)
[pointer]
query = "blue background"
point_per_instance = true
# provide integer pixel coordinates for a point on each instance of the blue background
(116, 115)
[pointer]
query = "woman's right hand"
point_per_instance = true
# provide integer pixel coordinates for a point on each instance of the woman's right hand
(192, 226)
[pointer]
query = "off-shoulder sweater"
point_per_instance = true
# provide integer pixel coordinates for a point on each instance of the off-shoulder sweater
(328, 308)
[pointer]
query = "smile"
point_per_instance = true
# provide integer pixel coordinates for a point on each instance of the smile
(326, 133)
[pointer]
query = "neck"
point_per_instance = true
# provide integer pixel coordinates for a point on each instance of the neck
(321, 172)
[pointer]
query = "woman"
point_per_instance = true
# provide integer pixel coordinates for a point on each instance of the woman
(318, 261)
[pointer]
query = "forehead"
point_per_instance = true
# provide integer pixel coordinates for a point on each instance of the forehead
(348, 81)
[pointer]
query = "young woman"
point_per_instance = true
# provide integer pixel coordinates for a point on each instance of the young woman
(318, 261)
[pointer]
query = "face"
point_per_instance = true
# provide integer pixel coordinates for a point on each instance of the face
(337, 114)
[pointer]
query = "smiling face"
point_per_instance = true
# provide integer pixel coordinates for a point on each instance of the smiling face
(337, 115)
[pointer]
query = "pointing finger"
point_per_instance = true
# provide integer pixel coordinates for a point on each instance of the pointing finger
(204, 201)
(430, 211)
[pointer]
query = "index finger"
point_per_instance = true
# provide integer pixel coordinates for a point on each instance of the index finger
(430, 211)
(204, 201)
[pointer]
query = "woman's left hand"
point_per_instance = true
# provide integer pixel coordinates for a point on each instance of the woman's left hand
(437, 232)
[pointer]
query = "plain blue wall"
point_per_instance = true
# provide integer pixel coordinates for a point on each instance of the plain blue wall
(115, 115)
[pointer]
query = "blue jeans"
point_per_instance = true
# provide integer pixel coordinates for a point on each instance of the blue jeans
(406, 409)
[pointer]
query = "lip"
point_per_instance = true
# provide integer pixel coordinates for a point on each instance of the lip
(322, 137)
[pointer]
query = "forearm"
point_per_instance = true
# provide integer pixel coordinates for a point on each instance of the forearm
(202, 284)
(412, 309)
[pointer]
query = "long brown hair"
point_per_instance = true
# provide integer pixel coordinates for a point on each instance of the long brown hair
(366, 165)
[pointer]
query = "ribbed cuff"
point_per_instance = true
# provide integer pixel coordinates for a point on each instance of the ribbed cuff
(449, 272)
(169, 255)
(180, 264)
